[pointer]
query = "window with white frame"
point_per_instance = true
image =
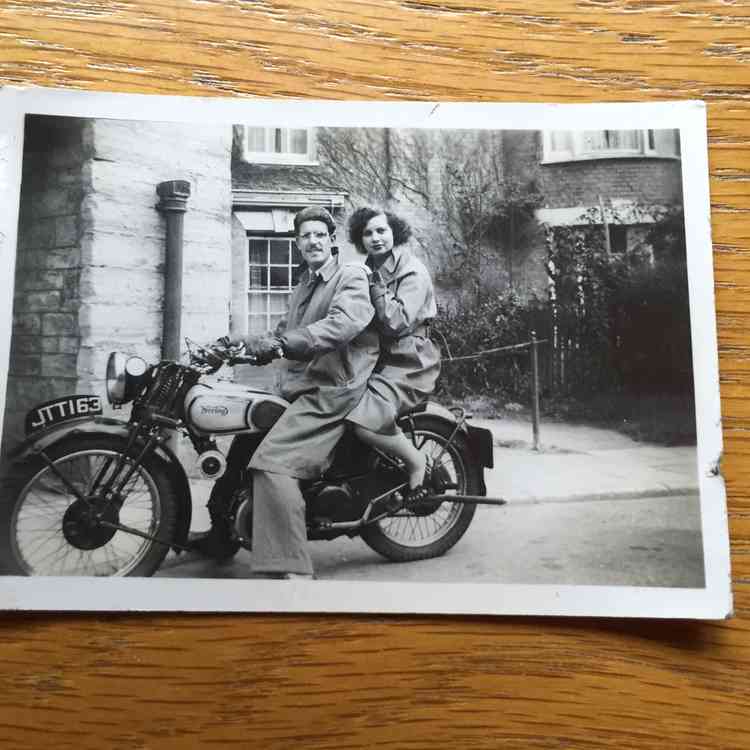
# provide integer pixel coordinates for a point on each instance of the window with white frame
(273, 273)
(280, 145)
(578, 145)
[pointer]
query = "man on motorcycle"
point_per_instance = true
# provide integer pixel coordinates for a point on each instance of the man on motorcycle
(329, 350)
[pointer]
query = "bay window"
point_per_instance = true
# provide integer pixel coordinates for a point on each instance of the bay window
(579, 145)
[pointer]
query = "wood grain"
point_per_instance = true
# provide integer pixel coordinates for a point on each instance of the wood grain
(345, 682)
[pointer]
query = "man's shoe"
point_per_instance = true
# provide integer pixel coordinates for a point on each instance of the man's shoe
(215, 544)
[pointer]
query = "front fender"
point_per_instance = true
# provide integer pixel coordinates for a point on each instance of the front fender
(39, 441)
(110, 427)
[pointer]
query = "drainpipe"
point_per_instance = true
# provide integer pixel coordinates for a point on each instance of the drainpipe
(605, 226)
(173, 196)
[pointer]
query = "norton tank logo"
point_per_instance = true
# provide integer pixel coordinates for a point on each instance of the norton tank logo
(215, 411)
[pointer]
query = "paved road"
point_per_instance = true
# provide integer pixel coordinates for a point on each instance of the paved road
(637, 542)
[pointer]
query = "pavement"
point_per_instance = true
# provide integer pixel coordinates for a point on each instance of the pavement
(577, 462)
(549, 494)
(574, 463)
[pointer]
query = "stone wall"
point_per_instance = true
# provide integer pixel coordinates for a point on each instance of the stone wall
(123, 238)
(90, 259)
(46, 334)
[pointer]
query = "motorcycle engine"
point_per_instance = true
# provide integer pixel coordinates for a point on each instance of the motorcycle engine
(333, 502)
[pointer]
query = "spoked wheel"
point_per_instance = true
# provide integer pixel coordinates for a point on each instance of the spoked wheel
(59, 524)
(430, 528)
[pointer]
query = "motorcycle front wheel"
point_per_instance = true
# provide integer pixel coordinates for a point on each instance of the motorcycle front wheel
(426, 530)
(48, 529)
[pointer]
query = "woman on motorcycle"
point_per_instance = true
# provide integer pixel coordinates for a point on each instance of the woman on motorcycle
(402, 294)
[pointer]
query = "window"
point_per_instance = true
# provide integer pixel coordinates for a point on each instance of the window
(274, 271)
(631, 240)
(280, 145)
(618, 239)
(577, 145)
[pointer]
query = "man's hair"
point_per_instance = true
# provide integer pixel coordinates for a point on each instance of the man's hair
(359, 219)
(314, 213)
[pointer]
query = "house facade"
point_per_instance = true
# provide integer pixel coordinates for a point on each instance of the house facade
(90, 253)
(90, 261)
(622, 180)
(275, 173)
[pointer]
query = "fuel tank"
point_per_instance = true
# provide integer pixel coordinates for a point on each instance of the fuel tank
(230, 408)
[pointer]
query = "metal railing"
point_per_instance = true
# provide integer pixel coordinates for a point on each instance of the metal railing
(533, 346)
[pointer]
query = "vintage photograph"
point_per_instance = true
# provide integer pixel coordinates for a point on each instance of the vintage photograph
(459, 359)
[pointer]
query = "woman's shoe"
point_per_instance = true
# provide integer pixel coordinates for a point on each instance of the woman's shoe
(421, 492)
(416, 494)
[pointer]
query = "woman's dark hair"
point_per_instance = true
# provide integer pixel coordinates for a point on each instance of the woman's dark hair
(359, 219)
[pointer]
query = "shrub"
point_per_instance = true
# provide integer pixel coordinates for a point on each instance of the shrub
(615, 324)
(622, 322)
(498, 320)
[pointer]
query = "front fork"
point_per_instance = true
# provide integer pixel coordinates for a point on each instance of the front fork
(107, 487)
(114, 484)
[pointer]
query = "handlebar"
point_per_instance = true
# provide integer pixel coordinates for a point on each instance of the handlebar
(248, 360)
(211, 358)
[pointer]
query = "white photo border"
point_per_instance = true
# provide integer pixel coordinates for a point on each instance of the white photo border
(203, 595)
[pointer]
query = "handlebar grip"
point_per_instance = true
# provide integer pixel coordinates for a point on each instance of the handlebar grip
(246, 360)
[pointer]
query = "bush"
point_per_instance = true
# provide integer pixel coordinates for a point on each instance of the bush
(622, 322)
(498, 320)
(618, 348)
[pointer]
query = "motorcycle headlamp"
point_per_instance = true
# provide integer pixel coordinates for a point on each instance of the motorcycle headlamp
(125, 377)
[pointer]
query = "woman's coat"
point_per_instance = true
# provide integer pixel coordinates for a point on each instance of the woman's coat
(409, 363)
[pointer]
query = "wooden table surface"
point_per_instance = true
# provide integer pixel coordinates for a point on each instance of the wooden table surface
(143, 681)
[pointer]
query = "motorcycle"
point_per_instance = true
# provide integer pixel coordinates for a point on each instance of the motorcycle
(94, 495)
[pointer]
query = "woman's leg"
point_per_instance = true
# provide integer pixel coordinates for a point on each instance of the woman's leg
(400, 446)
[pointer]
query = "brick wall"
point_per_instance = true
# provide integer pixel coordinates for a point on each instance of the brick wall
(646, 181)
(521, 155)
(580, 183)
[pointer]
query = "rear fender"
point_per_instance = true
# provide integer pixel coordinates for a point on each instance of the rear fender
(106, 426)
(482, 442)
(432, 409)
(479, 439)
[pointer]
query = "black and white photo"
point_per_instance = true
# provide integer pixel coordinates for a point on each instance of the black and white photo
(297, 356)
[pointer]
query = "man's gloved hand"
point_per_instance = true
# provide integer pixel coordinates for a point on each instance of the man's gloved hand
(264, 348)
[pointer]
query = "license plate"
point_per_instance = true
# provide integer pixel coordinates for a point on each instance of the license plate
(61, 410)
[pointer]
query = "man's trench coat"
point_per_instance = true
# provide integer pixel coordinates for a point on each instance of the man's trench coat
(331, 348)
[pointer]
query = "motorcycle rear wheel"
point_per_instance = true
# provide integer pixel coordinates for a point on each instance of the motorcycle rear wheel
(46, 531)
(412, 535)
